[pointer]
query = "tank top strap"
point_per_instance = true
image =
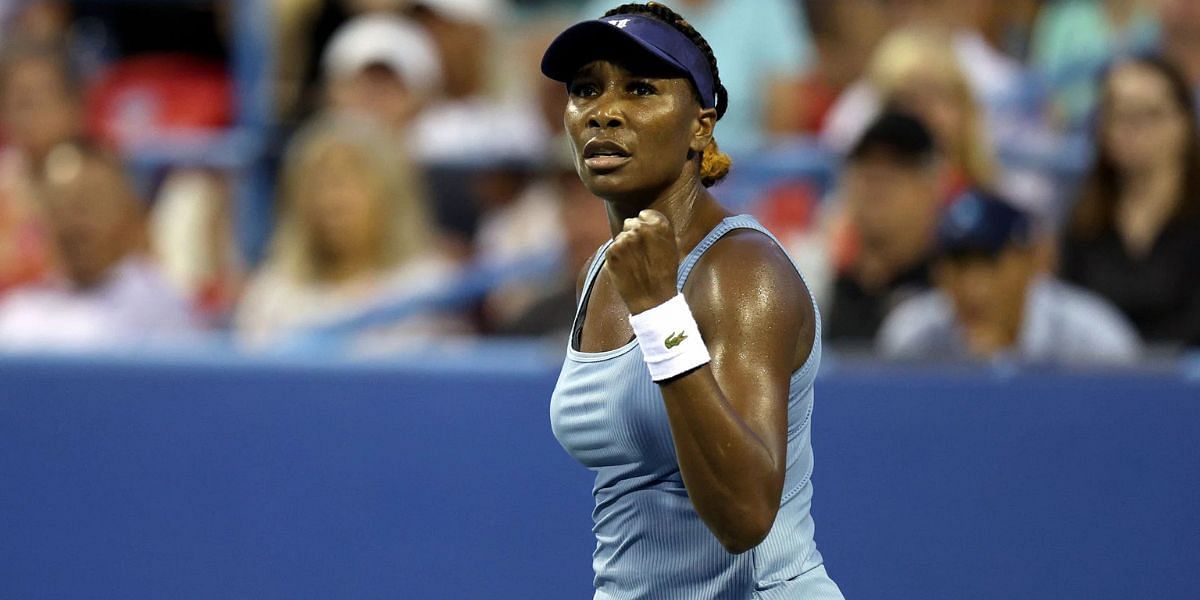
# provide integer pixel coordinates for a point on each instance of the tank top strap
(725, 226)
(588, 281)
(594, 269)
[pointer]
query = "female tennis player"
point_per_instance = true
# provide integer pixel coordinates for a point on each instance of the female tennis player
(688, 383)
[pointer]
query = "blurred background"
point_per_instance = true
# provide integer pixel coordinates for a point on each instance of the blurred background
(365, 177)
(310, 206)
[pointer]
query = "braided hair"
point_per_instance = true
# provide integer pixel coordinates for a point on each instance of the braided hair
(714, 164)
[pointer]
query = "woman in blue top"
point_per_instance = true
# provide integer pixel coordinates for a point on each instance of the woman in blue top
(688, 381)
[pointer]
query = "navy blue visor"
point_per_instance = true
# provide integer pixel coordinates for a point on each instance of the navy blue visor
(621, 35)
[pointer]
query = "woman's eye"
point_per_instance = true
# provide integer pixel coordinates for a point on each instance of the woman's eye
(584, 90)
(641, 88)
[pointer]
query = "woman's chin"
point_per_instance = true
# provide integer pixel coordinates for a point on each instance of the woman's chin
(606, 185)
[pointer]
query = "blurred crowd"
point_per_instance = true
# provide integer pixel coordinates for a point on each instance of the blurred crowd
(1000, 179)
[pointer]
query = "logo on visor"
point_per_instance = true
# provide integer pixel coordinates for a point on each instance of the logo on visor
(619, 23)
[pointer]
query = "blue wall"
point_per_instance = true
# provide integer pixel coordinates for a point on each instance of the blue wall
(272, 480)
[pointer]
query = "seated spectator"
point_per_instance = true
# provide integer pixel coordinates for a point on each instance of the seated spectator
(1134, 235)
(991, 302)
(149, 99)
(448, 141)
(915, 69)
(381, 66)
(890, 192)
(352, 234)
(158, 94)
(40, 109)
(110, 294)
(387, 68)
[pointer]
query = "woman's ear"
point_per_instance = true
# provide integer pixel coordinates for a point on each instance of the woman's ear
(702, 133)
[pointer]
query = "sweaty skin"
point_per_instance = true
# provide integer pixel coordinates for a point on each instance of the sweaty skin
(728, 418)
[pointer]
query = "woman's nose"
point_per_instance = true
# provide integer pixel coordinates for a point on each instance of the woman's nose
(607, 115)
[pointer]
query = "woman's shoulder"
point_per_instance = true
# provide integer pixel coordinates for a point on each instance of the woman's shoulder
(747, 265)
(745, 289)
(751, 252)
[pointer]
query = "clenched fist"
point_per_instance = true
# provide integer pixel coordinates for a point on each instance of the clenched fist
(643, 261)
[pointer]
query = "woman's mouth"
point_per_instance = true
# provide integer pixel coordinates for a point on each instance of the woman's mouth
(605, 156)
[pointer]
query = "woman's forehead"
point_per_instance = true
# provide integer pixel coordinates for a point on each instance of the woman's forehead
(618, 67)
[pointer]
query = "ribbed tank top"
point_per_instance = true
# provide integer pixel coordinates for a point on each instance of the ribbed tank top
(650, 542)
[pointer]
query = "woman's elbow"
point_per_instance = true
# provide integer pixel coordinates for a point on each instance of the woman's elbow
(749, 532)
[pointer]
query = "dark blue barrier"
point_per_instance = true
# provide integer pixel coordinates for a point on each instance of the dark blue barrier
(215, 479)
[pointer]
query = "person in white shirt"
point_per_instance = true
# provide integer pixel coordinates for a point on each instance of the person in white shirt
(993, 303)
(109, 294)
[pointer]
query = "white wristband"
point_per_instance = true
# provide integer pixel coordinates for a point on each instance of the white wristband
(670, 339)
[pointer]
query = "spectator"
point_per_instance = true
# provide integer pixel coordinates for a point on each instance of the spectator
(159, 94)
(352, 234)
(449, 142)
(1073, 40)
(915, 69)
(40, 110)
(890, 189)
(764, 50)
(944, 62)
(382, 66)
(303, 30)
(110, 293)
(992, 303)
(1134, 235)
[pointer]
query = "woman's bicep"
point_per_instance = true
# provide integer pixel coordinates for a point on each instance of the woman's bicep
(757, 320)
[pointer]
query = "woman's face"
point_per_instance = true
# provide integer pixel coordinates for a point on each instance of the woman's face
(632, 133)
(377, 92)
(1143, 126)
(341, 208)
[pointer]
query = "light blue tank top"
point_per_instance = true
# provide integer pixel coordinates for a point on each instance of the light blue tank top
(650, 542)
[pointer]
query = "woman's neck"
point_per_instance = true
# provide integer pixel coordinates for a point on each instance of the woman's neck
(1154, 185)
(686, 204)
(1145, 204)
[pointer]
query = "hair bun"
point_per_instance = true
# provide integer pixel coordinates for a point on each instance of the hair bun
(714, 164)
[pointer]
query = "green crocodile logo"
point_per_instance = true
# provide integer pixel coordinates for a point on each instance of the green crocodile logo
(675, 340)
